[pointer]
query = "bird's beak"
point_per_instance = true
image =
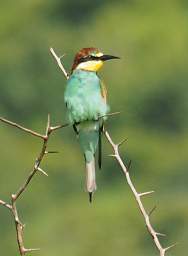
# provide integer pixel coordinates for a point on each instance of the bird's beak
(108, 57)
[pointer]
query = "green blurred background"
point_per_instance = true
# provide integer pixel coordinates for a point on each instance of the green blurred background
(148, 85)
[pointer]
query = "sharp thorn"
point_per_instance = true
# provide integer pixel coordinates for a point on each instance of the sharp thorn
(58, 126)
(51, 152)
(112, 155)
(169, 247)
(30, 250)
(113, 113)
(42, 171)
(110, 114)
(146, 193)
(121, 142)
(160, 234)
(48, 125)
(152, 210)
(48, 120)
(60, 57)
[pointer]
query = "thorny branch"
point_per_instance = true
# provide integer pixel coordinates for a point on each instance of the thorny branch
(36, 168)
(155, 235)
(21, 128)
(58, 59)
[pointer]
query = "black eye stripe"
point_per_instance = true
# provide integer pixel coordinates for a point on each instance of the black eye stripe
(88, 58)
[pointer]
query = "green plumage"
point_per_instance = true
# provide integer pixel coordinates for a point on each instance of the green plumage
(88, 137)
(85, 105)
(83, 97)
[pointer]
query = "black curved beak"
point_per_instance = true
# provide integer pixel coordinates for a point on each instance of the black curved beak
(108, 57)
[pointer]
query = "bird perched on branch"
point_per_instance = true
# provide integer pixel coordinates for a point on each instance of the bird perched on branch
(85, 99)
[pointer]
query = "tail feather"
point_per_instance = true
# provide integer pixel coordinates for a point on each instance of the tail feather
(90, 197)
(90, 178)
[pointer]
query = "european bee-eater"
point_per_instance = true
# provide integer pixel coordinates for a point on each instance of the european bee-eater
(85, 98)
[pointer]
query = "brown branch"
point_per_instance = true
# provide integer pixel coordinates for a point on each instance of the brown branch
(6, 204)
(125, 169)
(138, 196)
(21, 128)
(36, 168)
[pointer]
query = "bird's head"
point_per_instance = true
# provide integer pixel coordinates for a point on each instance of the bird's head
(90, 59)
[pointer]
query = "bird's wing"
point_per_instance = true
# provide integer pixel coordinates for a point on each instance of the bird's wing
(104, 96)
(103, 91)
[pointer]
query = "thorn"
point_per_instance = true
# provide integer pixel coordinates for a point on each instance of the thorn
(42, 171)
(30, 250)
(52, 128)
(129, 165)
(48, 125)
(121, 142)
(113, 113)
(51, 152)
(63, 55)
(90, 197)
(146, 193)
(48, 120)
(169, 247)
(112, 155)
(159, 234)
(152, 210)
(110, 114)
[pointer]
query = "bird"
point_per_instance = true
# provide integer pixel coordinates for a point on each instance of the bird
(85, 98)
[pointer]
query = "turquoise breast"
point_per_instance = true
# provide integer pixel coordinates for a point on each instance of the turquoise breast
(83, 97)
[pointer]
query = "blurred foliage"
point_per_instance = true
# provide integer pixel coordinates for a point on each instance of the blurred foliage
(148, 85)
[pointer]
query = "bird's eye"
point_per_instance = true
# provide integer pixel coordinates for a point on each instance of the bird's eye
(85, 58)
(93, 57)
(88, 58)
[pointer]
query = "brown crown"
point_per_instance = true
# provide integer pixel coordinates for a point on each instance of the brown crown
(82, 53)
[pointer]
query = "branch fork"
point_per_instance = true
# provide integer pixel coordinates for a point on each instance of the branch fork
(138, 196)
(36, 168)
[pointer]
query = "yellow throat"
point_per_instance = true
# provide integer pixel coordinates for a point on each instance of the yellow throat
(93, 65)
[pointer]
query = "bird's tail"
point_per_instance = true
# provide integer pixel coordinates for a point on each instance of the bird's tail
(88, 138)
(90, 178)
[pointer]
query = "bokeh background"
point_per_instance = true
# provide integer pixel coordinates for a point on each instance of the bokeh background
(148, 85)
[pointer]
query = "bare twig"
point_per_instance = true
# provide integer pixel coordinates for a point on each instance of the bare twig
(58, 59)
(110, 114)
(138, 196)
(23, 187)
(125, 169)
(21, 128)
(6, 204)
(146, 193)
